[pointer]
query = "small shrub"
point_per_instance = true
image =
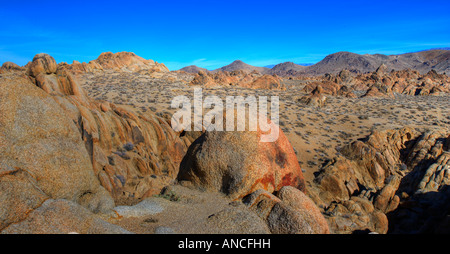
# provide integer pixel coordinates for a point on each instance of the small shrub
(128, 146)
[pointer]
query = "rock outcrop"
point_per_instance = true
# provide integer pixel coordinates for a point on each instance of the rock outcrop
(10, 66)
(269, 82)
(42, 155)
(121, 61)
(133, 156)
(316, 98)
(57, 143)
(289, 212)
(42, 64)
(329, 88)
(374, 91)
(237, 163)
(425, 192)
(243, 79)
(266, 177)
(317, 92)
(381, 83)
(376, 176)
(61, 216)
(409, 82)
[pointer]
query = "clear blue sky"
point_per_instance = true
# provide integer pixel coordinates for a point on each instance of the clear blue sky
(211, 34)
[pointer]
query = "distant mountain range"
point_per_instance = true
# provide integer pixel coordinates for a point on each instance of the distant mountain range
(448, 48)
(236, 65)
(422, 61)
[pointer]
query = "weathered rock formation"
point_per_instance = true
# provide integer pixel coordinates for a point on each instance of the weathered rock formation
(329, 88)
(289, 212)
(266, 176)
(121, 61)
(237, 163)
(10, 66)
(243, 79)
(316, 98)
(61, 216)
(376, 176)
(383, 83)
(42, 155)
(132, 156)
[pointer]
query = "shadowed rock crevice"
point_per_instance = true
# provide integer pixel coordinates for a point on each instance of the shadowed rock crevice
(422, 213)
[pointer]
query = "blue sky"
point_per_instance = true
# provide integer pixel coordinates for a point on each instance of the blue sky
(211, 34)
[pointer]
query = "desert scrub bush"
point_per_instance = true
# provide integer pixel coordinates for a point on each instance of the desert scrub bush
(128, 146)
(169, 195)
(312, 163)
(151, 220)
(363, 117)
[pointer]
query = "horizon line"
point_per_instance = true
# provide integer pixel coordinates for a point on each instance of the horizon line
(306, 64)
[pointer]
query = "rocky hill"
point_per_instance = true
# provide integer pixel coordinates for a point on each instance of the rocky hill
(239, 78)
(121, 61)
(344, 60)
(287, 69)
(193, 69)
(239, 65)
(10, 66)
